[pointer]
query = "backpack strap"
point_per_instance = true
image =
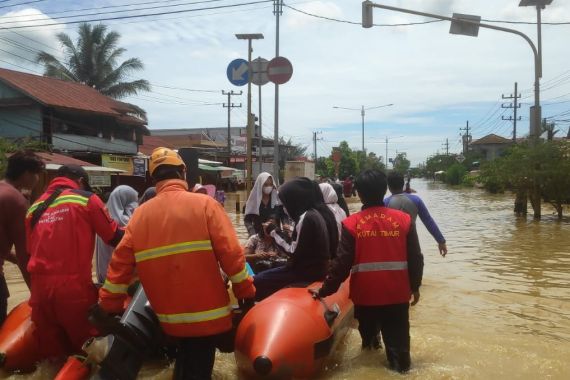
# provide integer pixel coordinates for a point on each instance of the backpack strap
(39, 211)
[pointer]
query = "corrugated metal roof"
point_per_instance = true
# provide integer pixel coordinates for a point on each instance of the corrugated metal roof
(66, 95)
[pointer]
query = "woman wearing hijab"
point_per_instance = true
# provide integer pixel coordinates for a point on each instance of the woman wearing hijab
(313, 244)
(147, 195)
(340, 198)
(121, 205)
(331, 199)
(262, 204)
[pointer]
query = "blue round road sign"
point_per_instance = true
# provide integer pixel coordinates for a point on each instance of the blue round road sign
(238, 72)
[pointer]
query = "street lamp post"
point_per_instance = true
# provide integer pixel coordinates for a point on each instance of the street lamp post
(469, 25)
(362, 114)
(249, 165)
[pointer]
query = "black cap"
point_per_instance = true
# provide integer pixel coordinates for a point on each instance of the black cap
(75, 172)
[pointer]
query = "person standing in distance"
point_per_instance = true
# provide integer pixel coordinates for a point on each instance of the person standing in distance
(414, 206)
(379, 248)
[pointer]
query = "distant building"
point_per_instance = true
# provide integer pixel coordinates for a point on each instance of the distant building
(72, 118)
(491, 146)
(212, 143)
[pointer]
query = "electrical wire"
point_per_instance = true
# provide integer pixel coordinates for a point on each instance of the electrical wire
(358, 23)
(112, 12)
(15, 5)
(136, 16)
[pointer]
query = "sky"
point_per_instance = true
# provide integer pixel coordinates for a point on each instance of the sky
(436, 81)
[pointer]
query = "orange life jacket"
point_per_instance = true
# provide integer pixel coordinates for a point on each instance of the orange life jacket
(178, 242)
(379, 275)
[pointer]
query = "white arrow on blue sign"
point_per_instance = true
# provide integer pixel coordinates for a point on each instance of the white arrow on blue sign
(238, 72)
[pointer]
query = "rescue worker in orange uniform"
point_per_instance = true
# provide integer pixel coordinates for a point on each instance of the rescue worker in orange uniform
(178, 241)
(380, 247)
(61, 228)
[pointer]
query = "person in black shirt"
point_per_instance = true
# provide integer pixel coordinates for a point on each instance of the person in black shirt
(313, 244)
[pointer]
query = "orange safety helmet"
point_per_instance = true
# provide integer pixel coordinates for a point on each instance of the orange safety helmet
(164, 156)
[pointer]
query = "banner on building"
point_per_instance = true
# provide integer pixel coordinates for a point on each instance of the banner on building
(139, 167)
(100, 179)
(114, 161)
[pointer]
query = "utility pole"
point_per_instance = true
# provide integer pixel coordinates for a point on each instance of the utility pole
(250, 121)
(229, 106)
(277, 11)
(515, 106)
(446, 145)
(260, 153)
(466, 138)
(315, 145)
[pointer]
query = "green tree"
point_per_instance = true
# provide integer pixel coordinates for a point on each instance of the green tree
(348, 161)
(93, 61)
(325, 167)
(455, 174)
(10, 146)
(401, 163)
(371, 161)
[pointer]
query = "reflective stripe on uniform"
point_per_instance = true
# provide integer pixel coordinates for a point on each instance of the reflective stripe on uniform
(115, 288)
(76, 199)
(201, 316)
(239, 277)
(379, 266)
(174, 249)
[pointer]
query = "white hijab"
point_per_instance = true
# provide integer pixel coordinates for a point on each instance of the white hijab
(122, 203)
(254, 200)
(331, 199)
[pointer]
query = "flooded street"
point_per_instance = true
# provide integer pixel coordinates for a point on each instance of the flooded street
(498, 306)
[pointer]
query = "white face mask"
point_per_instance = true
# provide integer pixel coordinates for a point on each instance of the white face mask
(267, 190)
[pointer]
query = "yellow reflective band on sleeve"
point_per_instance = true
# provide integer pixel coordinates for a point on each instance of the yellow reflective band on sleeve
(241, 276)
(115, 288)
(174, 249)
(75, 199)
(202, 316)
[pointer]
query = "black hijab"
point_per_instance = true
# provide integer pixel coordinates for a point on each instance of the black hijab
(341, 201)
(300, 195)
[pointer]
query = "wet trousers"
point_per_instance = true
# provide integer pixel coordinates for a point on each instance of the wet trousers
(392, 321)
(195, 358)
(4, 294)
(60, 307)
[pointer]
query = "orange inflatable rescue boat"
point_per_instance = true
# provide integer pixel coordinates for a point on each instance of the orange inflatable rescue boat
(290, 334)
(18, 347)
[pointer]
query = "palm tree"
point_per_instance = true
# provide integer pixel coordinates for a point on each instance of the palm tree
(92, 60)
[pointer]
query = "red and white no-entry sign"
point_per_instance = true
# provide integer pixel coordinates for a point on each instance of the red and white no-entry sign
(279, 70)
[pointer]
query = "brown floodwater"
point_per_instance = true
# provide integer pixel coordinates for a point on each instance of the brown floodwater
(498, 306)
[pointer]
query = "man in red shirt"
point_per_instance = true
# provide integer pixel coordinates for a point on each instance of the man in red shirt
(61, 228)
(22, 172)
(379, 248)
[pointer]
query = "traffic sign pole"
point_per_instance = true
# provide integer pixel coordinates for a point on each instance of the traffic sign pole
(249, 182)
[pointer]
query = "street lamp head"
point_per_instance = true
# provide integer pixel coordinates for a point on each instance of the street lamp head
(534, 3)
(249, 36)
(367, 14)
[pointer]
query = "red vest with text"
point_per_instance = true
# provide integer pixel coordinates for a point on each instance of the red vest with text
(379, 274)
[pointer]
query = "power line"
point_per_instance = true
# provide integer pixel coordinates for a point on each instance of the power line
(358, 23)
(15, 5)
(114, 12)
(137, 16)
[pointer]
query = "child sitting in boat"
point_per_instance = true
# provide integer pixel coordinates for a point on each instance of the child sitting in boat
(262, 253)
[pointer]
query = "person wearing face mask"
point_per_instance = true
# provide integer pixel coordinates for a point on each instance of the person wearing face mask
(313, 244)
(121, 204)
(262, 204)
